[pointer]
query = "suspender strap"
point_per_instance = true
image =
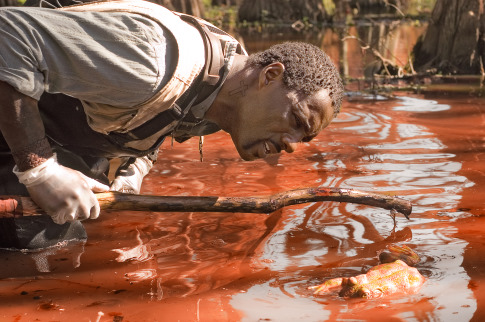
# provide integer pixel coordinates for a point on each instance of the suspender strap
(207, 81)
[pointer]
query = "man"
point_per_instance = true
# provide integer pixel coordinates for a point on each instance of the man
(127, 74)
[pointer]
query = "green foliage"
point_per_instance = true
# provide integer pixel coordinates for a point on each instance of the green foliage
(220, 16)
(329, 6)
(420, 7)
(227, 16)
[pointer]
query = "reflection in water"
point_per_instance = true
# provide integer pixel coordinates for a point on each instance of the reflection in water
(391, 153)
(140, 252)
(231, 267)
(276, 305)
(196, 252)
(260, 265)
(351, 47)
(234, 267)
(417, 105)
(141, 275)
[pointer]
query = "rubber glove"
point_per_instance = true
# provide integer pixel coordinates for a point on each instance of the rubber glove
(65, 194)
(129, 175)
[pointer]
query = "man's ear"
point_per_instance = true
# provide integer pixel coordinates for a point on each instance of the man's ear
(271, 73)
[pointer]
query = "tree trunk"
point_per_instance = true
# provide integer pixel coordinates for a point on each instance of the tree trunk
(311, 9)
(454, 40)
(226, 2)
(282, 10)
(9, 3)
(191, 7)
(378, 6)
(262, 10)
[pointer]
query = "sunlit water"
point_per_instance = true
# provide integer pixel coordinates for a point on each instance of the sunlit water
(139, 266)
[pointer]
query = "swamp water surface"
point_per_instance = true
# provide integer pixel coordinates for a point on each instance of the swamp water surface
(142, 266)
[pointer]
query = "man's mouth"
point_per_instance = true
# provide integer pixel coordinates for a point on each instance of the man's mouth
(262, 149)
(267, 149)
(270, 147)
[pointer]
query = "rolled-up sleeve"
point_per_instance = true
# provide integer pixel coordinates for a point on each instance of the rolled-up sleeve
(116, 59)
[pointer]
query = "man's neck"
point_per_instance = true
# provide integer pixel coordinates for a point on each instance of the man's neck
(225, 106)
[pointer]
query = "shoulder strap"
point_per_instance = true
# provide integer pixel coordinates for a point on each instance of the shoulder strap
(207, 82)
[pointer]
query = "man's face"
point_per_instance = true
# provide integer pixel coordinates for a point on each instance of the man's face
(275, 119)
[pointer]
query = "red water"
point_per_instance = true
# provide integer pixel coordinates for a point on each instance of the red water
(141, 266)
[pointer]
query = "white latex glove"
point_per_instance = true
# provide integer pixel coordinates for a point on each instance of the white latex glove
(130, 175)
(65, 194)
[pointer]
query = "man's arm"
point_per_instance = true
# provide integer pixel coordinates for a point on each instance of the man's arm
(65, 194)
(22, 128)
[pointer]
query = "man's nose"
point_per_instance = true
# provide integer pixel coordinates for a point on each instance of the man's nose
(289, 143)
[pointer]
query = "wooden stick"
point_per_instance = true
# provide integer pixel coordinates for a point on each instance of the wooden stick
(15, 206)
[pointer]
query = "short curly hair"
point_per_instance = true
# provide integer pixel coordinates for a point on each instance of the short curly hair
(307, 69)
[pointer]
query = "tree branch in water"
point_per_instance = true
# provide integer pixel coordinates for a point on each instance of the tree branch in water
(15, 206)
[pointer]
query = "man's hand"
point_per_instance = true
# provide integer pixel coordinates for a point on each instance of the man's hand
(130, 175)
(65, 194)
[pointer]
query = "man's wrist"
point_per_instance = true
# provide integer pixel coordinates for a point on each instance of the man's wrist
(38, 174)
(32, 155)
